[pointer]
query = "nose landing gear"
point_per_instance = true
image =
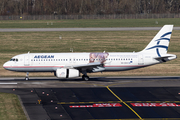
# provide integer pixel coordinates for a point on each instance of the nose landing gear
(27, 76)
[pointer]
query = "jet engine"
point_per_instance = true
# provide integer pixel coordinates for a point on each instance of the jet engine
(67, 73)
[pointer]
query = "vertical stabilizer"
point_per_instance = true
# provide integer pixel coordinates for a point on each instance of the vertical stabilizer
(159, 44)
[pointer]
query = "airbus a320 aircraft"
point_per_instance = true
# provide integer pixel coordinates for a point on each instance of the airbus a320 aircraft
(69, 65)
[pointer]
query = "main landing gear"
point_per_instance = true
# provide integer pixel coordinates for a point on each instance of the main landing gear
(27, 76)
(85, 77)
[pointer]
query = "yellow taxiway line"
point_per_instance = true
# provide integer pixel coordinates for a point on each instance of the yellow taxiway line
(124, 103)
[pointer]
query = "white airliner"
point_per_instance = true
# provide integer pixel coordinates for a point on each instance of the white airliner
(69, 65)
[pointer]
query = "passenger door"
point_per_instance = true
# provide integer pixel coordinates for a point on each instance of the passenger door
(26, 60)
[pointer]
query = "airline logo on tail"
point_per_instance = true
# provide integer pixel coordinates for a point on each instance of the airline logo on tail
(158, 45)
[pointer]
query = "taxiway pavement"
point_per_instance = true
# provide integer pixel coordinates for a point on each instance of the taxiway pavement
(99, 98)
(53, 82)
(81, 29)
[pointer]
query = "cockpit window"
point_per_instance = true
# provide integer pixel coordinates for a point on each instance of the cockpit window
(14, 59)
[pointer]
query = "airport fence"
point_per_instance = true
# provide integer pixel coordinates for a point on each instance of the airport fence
(114, 16)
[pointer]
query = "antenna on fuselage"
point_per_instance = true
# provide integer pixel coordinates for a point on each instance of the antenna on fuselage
(71, 49)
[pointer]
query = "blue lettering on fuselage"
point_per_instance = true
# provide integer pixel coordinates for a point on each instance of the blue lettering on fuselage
(44, 56)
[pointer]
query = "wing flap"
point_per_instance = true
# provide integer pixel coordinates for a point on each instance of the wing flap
(89, 65)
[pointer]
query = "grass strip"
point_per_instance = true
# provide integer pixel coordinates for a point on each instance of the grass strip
(10, 107)
(85, 23)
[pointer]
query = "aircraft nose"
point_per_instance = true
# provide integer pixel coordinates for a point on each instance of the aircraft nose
(5, 66)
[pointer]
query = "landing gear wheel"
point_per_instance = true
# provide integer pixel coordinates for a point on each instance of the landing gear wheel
(26, 78)
(84, 77)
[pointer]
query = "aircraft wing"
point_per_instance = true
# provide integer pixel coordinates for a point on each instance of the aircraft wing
(89, 67)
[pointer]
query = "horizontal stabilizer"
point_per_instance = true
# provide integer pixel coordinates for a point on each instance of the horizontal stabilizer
(166, 57)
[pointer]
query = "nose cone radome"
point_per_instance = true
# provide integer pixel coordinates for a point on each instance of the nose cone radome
(6, 66)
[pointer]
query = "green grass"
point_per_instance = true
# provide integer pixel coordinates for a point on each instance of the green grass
(88, 23)
(98, 41)
(10, 108)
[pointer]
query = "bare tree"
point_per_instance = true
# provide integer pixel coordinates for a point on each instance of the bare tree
(76, 7)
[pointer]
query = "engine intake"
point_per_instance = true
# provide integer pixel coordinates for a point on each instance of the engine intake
(67, 73)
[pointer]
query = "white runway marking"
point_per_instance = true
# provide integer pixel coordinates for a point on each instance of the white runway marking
(8, 83)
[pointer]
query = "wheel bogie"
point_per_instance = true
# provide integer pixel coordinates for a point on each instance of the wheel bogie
(85, 77)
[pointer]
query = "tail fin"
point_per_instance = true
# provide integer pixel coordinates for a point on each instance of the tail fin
(159, 44)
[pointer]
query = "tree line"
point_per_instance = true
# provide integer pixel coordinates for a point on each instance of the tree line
(87, 7)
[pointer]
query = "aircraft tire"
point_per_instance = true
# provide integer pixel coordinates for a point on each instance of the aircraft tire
(86, 78)
(26, 78)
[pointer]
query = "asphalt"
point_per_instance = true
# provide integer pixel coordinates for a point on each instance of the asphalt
(81, 29)
(99, 98)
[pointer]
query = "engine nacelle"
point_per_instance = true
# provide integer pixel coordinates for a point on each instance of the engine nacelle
(67, 73)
